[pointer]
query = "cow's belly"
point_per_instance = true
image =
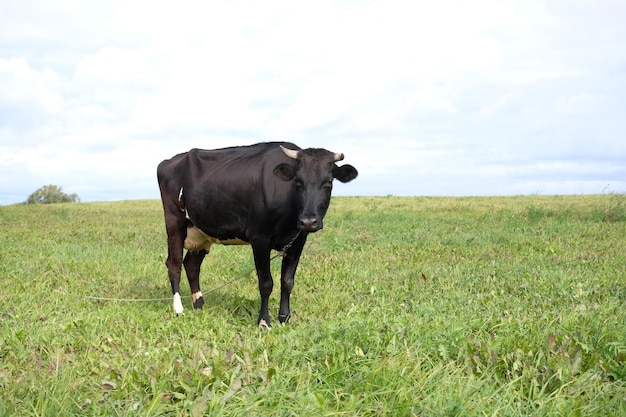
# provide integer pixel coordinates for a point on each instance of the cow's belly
(198, 240)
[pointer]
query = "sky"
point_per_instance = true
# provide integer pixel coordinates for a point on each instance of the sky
(424, 98)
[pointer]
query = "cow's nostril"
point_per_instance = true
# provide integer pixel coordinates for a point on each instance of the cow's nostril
(309, 224)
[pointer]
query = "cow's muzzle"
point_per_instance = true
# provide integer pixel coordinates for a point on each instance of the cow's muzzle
(310, 224)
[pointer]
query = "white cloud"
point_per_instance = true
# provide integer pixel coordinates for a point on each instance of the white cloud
(27, 88)
(423, 97)
(122, 68)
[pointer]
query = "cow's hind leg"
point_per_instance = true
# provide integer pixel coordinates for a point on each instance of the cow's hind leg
(193, 261)
(175, 225)
(174, 266)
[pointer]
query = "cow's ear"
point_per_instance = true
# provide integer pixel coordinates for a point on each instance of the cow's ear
(345, 173)
(285, 172)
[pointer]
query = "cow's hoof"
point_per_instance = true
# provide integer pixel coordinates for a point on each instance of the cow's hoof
(264, 325)
(284, 318)
(197, 305)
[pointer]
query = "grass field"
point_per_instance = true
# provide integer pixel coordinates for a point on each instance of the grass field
(503, 306)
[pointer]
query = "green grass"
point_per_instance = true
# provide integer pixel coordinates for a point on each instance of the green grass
(506, 306)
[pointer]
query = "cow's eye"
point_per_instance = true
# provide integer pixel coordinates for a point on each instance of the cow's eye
(328, 184)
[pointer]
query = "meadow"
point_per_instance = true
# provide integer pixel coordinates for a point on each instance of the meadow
(477, 306)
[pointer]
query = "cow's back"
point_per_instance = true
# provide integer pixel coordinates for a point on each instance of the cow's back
(225, 191)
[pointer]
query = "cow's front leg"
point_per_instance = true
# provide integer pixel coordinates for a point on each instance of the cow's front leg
(266, 284)
(288, 272)
(193, 261)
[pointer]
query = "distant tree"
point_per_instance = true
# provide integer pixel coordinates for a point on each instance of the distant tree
(49, 194)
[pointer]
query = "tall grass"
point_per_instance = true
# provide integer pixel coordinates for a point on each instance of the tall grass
(403, 306)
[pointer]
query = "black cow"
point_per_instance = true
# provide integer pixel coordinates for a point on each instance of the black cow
(268, 195)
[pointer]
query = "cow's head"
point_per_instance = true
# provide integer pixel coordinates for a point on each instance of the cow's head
(313, 181)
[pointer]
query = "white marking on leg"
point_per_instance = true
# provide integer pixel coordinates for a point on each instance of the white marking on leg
(178, 305)
(196, 295)
(263, 324)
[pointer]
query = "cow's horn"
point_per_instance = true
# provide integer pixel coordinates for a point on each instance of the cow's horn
(338, 156)
(289, 152)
